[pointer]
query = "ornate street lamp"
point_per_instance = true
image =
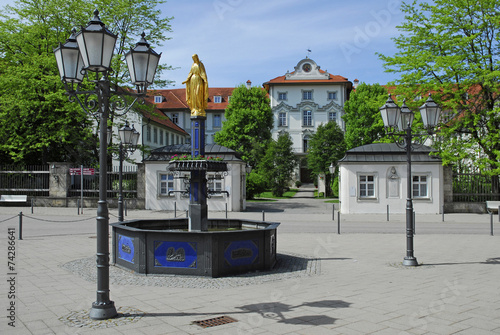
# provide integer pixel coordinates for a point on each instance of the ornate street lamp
(128, 143)
(89, 52)
(398, 122)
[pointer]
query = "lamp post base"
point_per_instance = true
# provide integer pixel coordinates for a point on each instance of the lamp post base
(410, 261)
(104, 311)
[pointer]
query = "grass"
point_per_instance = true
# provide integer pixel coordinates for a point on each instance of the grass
(269, 195)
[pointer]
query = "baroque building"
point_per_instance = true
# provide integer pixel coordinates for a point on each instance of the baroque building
(302, 100)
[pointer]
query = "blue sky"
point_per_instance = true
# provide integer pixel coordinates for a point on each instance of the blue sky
(258, 40)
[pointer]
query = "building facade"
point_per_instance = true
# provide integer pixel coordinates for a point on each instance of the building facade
(373, 180)
(304, 99)
(168, 190)
(172, 103)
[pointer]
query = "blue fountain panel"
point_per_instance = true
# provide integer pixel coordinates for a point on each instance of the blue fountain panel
(126, 248)
(176, 254)
(240, 253)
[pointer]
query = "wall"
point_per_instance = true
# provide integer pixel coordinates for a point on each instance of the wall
(386, 189)
(233, 183)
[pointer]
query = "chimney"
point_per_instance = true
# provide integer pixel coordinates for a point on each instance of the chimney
(356, 83)
(249, 84)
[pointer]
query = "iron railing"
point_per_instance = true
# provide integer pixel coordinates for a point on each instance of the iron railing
(26, 180)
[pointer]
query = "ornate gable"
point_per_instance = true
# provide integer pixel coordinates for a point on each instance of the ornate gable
(307, 69)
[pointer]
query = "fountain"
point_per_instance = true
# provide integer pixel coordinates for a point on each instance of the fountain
(196, 245)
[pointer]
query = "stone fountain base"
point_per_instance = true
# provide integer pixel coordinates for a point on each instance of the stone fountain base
(166, 246)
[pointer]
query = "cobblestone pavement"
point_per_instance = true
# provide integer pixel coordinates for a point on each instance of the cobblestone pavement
(339, 284)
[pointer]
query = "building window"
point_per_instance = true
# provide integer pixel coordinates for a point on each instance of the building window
(155, 135)
(305, 144)
(215, 185)
(175, 118)
(161, 137)
(166, 184)
(282, 119)
(177, 139)
(307, 118)
(166, 138)
(172, 139)
(332, 116)
(367, 186)
(158, 99)
(307, 95)
(148, 133)
(420, 186)
(217, 120)
(332, 95)
(217, 99)
(228, 98)
(281, 96)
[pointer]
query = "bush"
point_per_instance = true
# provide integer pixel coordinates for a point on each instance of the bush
(256, 184)
(298, 183)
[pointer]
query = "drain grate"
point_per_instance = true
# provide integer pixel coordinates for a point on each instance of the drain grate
(220, 320)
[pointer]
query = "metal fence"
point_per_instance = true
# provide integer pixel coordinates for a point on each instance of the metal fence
(91, 183)
(472, 186)
(26, 180)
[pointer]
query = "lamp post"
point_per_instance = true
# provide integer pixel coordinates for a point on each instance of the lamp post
(398, 122)
(87, 54)
(128, 143)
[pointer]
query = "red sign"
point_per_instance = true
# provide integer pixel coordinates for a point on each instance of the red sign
(78, 171)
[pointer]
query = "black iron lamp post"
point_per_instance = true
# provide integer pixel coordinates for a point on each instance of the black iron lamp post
(398, 122)
(87, 54)
(128, 143)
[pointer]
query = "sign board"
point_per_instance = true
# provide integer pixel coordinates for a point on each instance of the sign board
(78, 171)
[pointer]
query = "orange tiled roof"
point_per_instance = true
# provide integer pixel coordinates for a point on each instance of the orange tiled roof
(176, 98)
(332, 79)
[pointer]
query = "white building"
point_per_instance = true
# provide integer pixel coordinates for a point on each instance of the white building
(304, 99)
(167, 190)
(374, 176)
(156, 130)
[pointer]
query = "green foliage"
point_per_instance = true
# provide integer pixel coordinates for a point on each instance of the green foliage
(37, 122)
(256, 184)
(364, 124)
(451, 47)
(326, 146)
(278, 164)
(248, 124)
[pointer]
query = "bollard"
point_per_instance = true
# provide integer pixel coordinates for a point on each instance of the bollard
(442, 211)
(387, 212)
(175, 209)
(333, 212)
(263, 216)
(32, 204)
(491, 224)
(125, 206)
(338, 222)
(226, 209)
(20, 225)
(498, 213)
(78, 206)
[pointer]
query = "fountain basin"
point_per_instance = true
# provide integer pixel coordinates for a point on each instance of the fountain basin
(164, 246)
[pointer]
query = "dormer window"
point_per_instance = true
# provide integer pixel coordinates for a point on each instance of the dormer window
(217, 99)
(158, 99)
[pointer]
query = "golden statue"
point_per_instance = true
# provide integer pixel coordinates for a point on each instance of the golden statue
(197, 88)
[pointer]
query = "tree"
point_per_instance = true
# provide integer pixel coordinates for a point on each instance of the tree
(326, 146)
(278, 164)
(451, 48)
(37, 122)
(362, 116)
(248, 124)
